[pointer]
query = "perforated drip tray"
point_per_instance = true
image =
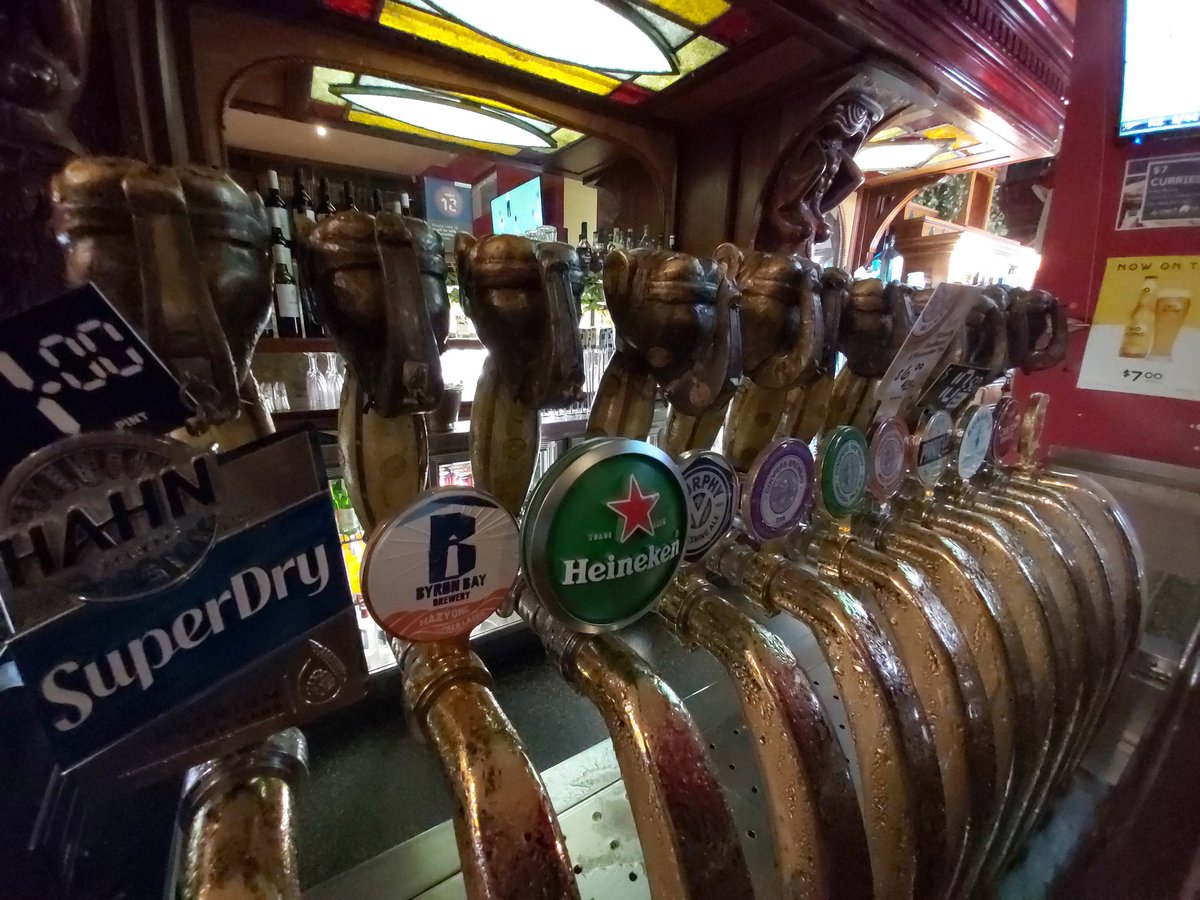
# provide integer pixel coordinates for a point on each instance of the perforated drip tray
(594, 811)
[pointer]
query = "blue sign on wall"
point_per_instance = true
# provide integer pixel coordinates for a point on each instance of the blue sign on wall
(448, 207)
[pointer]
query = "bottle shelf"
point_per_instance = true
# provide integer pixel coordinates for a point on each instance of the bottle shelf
(326, 345)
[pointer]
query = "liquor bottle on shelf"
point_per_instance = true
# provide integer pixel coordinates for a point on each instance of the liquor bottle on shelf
(646, 241)
(396, 207)
(278, 214)
(614, 241)
(405, 204)
(584, 248)
(325, 205)
(630, 243)
(302, 204)
(597, 253)
(348, 196)
(289, 323)
(376, 201)
(671, 243)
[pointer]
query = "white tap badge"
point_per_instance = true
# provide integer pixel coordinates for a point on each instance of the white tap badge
(442, 566)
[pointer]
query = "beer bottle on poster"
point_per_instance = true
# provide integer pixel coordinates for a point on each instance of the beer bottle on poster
(1135, 343)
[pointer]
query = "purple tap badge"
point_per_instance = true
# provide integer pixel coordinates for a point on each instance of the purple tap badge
(778, 490)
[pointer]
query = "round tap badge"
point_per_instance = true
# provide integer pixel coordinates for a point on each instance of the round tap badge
(442, 566)
(1006, 429)
(778, 489)
(605, 533)
(711, 485)
(931, 447)
(843, 467)
(974, 438)
(887, 458)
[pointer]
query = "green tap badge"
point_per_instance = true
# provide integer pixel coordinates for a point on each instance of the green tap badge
(604, 533)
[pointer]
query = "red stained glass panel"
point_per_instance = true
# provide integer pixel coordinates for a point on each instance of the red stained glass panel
(630, 94)
(732, 27)
(363, 9)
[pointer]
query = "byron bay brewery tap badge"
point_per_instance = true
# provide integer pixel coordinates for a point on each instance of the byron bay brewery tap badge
(974, 438)
(887, 458)
(605, 533)
(143, 580)
(442, 566)
(931, 447)
(778, 489)
(711, 485)
(843, 467)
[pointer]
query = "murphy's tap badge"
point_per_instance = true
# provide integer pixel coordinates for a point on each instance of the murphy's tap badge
(842, 462)
(711, 484)
(887, 458)
(166, 606)
(974, 436)
(778, 490)
(931, 447)
(605, 533)
(441, 566)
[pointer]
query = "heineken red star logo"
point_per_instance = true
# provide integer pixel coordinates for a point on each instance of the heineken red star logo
(634, 510)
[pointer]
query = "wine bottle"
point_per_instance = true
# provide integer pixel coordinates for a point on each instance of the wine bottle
(630, 243)
(376, 201)
(287, 297)
(597, 252)
(348, 196)
(277, 210)
(405, 205)
(325, 205)
(584, 248)
(646, 241)
(302, 204)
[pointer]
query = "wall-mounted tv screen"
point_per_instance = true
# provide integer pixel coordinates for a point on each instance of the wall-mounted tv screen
(518, 211)
(1162, 91)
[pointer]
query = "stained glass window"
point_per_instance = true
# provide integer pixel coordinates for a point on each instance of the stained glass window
(690, 34)
(369, 106)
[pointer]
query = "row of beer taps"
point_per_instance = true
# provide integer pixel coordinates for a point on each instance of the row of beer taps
(975, 626)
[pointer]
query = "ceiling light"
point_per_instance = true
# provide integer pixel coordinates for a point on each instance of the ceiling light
(604, 35)
(892, 156)
(444, 114)
(322, 131)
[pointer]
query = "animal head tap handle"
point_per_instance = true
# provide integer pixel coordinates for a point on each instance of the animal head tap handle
(783, 333)
(182, 254)
(1037, 330)
(524, 298)
(380, 283)
(676, 318)
(804, 415)
(874, 325)
(236, 817)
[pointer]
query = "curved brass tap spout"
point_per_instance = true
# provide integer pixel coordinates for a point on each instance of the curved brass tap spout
(236, 814)
(508, 838)
(684, 826)
(900, 789)
(944, 673)
(1026, 592)
(819, 839)
(995, 641)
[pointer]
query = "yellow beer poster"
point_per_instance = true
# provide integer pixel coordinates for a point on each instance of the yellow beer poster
(1145, 334)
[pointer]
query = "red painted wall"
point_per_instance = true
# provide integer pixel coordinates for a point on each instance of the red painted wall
(1081, 236)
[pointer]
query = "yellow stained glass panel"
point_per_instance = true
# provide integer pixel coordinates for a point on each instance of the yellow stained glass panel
(323, 79)
(377, 121)
(564, 136)
(698, 12)
(695, 53)
(442, 31)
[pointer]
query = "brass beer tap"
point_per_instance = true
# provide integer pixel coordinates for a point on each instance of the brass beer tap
(380, 281)
(525, 294)
(236, 816)
(816, 824)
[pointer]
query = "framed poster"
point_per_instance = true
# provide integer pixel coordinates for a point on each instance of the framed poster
(1160, 192)
(1145, 334)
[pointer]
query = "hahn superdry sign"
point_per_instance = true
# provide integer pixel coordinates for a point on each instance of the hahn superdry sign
(138, 576)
